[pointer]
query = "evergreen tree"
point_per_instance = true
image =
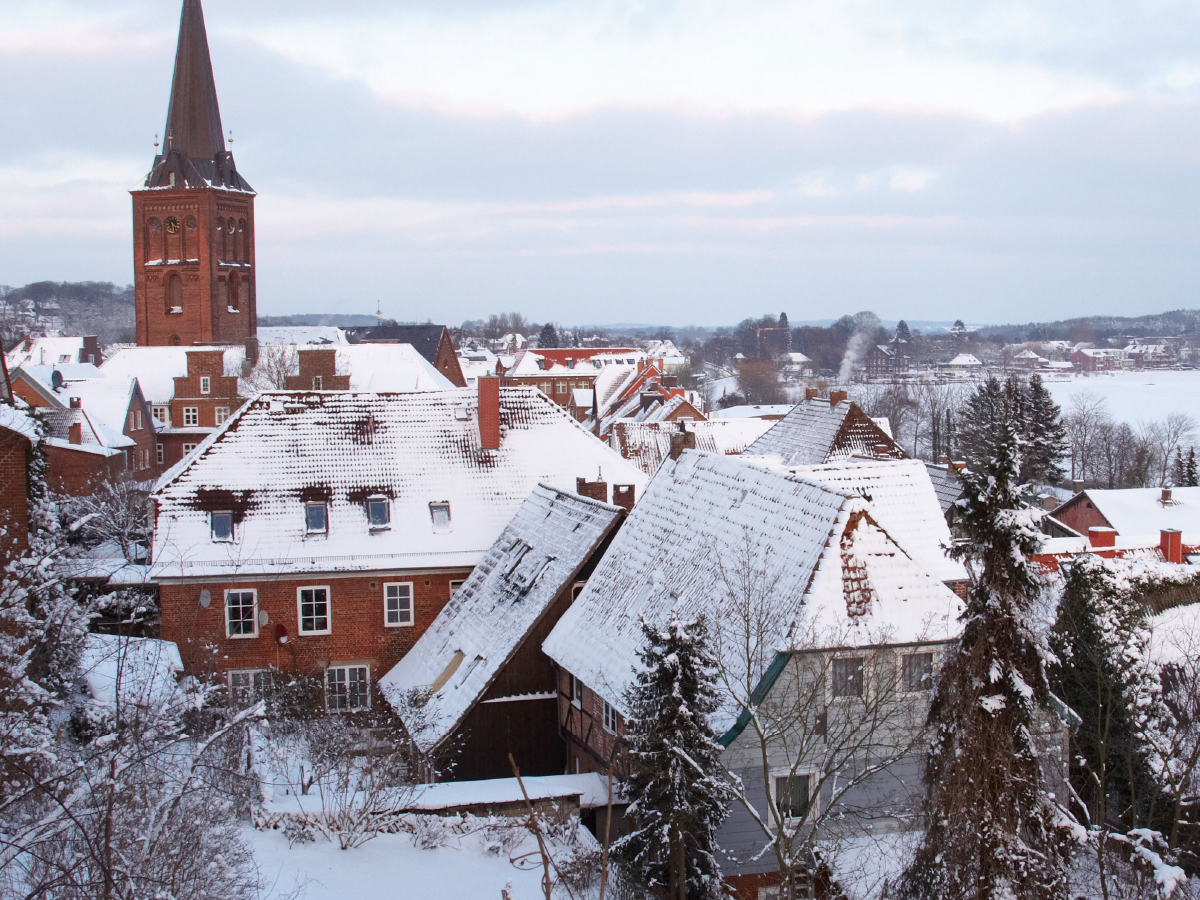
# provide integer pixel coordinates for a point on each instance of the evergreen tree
(1034, 417)
(547, 337)
(1178, 475)
(1191, 474)
(993, 830)
(676, 786)
(786, 342)
(902, 332)
(982, 418)
(1045, 434)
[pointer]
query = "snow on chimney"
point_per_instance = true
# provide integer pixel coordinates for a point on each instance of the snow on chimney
(882, 451)
(810, 393)
(489, 412)
(1077, 485)
(836, 397)
(623, 496)
(76, 403)
(683, 439)
(1170, 542)
(1166, 496)
(1101, 536)
(593, 490)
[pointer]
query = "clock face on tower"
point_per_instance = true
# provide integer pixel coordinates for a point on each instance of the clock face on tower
(172, 225)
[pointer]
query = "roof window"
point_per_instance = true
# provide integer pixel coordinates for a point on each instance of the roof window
(439, 512)
(316, 518)
(379, 513)
(221, 525)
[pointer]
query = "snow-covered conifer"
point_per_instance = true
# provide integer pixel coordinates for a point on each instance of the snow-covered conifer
(993, 829)
(547, 337)
(676, 782)
(1045, 434)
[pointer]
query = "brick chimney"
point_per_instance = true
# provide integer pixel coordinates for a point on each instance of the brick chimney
(683, 439)
(810, 393)
(1166, 496)
(76, 403)
(623, 496)
(489, 412)
(1077, 486)
(1170, 542)
(594, 490)
(836, 397)
(882, 451)
(1101, 536)
(75, 433)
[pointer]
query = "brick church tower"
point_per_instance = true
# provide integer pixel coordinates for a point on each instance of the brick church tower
(193, 218)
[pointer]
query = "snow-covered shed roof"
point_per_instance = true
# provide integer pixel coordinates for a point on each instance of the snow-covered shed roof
(647, 444)
(812, 433)
(20, 421)
(300, 334)
(142, 670)
(156, 368)
(704, 515)
(45, 351)
(903, 503)
(389, 368)
(283, 449)
(538, 554)
(582, 398)
(1140, 512)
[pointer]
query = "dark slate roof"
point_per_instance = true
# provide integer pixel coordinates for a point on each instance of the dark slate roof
(425, 338)
(808, 435)
(948, 487)
(193, 142)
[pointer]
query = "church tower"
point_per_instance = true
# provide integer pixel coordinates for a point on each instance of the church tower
(193, 218)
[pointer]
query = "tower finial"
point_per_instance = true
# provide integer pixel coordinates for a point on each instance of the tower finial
(156, 142)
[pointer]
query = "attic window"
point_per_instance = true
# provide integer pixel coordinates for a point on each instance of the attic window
(379, 513)
(518, 551)
(316, 518)
(318, 383)
(440, 514)
(221, 525)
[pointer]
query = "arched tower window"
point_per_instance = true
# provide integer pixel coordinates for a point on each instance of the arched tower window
(235, 290)
(174, 294)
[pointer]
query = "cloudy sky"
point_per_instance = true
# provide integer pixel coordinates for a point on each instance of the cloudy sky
(624, 161)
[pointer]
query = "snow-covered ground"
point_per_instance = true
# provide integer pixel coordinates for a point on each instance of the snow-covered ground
(1149, 395)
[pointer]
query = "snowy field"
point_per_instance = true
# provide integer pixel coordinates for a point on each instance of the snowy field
(1149, 395)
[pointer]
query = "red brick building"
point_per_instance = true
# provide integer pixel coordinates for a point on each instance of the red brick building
(556, 373)
(193, 218)
(18, 433)
(322, 532)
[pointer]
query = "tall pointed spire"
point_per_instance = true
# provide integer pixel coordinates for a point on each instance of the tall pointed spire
(194, 153)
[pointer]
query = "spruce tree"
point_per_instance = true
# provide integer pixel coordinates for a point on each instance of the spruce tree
(992, 827)
(902, 331)
(786, 343)
(1045, 433)
(676, 782)
(547, 337)
(1178, 475)
(1190, 471)
(982, 418)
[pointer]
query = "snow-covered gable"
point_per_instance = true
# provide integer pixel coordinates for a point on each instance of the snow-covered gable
(156, 368)
(389, 368)
(965, 361)
(1140, 512)
(416, 449)
(106, 402)
(903, 502)
(300, 334)
(704, 514)
(539, 553)
(816, 432)
(647, 444)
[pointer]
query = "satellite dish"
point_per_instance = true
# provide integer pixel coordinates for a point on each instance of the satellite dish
(205, 598)
(56, 380)
(263, 618)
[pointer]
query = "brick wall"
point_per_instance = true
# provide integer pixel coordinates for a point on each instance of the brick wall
(581, 380)
(14, 488)
(316, 364)
(447, 361)
(358, 633)
(1081, 514)
(222, 392)
(591, 746)
(77, 472)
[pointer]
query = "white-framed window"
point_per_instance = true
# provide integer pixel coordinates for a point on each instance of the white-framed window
(455, 584)
(379, 512)
(316, 517)
(610, 718)
(188, 448)
(544, 387)
(440, 514)
(347, 688)
(916, 672)
(129, 424)
(191, 415)
(560, 387)
(248, 685)
(205, 384)
(397, 604)
(138, 417)
(318, 383)
(158, 449)
(222, 414)
(313, 609)
(92, 358)
(221, 525)
(161, 413)
(241, 613)
(848, 677)
(575, 688)
(792, 792)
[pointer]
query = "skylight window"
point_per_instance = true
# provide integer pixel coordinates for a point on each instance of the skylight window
(440, 513)
(222, 526)
(316, 518)
(379, 512)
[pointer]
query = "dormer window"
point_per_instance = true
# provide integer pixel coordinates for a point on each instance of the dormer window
(379, 512)
(221, 525)
(205, 384)
(440, 513)
(316, 518)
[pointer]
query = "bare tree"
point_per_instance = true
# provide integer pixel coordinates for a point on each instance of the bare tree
(1085, 413)
(1173, 432)
(275, 363)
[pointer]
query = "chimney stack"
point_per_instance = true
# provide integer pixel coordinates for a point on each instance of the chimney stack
(1166, 496)
(1077, 485)
(1170, 542)
(683, 439)
(623, 496)
(1100, 536)
(489, 412)
(593, 490)
(76, 403)
(836, 397)
(75, 433)
(883, 451)
(810, 393)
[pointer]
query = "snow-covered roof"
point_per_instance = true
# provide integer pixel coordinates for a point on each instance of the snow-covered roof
(45, 351)
(1140, 512)
(809, 434)
(106, 402)
(581, 397)
(156, 368)
(903, 503)
(964, 360)
(389, 368)
(18, 420)
(300, 334)
(536, 556)
(884, 423)
(753, 412)
(647, 444)
(591, 787)
(140, 670)
(579, 362)
(946, 485)
(416, 449)
(44, 375)
(705, 514)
